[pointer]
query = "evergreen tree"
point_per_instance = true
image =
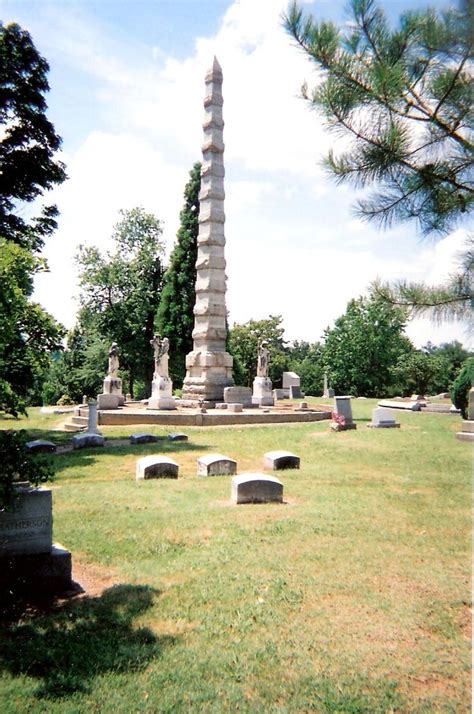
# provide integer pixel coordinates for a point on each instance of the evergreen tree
(403, 99)
(28, 139)
(175, 317)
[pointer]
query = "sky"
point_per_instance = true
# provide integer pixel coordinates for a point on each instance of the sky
(126, 96)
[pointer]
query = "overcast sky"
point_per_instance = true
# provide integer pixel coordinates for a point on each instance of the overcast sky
(127, 86)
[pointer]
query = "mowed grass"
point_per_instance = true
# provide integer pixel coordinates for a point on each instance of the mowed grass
(352, 596)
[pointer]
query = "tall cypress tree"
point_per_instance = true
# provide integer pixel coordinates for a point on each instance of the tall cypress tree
(175, 317)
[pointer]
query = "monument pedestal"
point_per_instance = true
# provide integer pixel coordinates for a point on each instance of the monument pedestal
(262, 392)
(207, 375)
(161, 394)
(111, 397)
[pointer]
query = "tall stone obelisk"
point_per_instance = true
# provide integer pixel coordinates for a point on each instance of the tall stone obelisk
(209, 366)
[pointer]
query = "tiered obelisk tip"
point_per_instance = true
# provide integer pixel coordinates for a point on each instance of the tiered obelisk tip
(209, 366)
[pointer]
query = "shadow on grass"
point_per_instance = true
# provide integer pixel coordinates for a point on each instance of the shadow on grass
(67, 648)
(88, 457)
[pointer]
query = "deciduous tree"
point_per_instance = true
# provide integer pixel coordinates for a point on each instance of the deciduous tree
(121, 290)
(364, 344)
(29, 142)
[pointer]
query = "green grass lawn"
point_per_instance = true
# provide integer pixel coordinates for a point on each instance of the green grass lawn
(353, 596)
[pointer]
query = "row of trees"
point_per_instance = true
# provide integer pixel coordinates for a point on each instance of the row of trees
(366, 353)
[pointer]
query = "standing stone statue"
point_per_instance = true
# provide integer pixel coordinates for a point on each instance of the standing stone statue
(162, 386)
(262, 384)
(262, 360)
(112, 397)
(113, 360)
(209, 366)
(161, 348)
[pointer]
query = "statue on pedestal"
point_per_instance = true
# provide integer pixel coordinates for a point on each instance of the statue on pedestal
(262, 384)
(112, 397)
(161, 348)
(162, 386)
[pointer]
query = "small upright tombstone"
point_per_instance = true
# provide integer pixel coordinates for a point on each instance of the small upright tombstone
(279, 460)
(216, 465)
(162, 386)
(262, 385)
(156, 466)
(256, 488)
(383, 419)
(342, 416)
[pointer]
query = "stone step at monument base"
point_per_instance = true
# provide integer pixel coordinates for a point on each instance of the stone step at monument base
(73, 427)
(76, 423)
(467, 431)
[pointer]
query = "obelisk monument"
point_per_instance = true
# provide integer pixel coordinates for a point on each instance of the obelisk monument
(209, 366)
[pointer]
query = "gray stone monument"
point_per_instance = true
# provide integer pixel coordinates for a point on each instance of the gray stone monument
(112, 397)
(162, 386)
(292, 384)
(209, 366)
(262, 394)
(91, 437)
(383, 418)
(29, 560)
(328, 393)
(342, 420)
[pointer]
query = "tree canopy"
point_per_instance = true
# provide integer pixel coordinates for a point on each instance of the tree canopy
(28, 142)
(121, 291)
(175, 317)
(28, 168)
(364, 344)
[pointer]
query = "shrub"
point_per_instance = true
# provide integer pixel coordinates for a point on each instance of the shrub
(19, 465)
(64, 401)
(461, 386)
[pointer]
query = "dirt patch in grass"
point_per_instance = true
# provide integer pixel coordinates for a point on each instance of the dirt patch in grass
(92, 579)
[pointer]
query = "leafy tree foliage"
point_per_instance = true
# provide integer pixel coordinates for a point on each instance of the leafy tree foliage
(243, 344)
(27, 169)
(361, 348)
(304, 358)
(121, 291)
(175, 314)
(28, 140)
(79, 369)
(420, 373)
(27, 332)
(19, 465)
(403, 99)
